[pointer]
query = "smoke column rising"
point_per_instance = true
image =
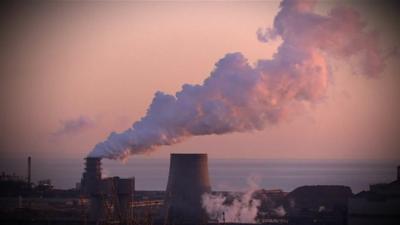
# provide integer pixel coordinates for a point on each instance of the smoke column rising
(239, 97)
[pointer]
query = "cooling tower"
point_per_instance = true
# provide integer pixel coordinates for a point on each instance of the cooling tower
(188, 180)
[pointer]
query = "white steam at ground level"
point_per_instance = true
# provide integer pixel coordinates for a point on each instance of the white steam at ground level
(243, 208)
(246, 207)
(240, 97)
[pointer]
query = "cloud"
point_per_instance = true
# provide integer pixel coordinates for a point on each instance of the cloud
(73, 126)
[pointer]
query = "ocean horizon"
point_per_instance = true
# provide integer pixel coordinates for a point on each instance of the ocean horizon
(225, 174)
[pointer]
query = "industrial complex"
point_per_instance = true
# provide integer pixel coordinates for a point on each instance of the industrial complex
(114, 200)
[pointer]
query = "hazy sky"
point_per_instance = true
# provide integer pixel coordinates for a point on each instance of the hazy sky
(71, 73)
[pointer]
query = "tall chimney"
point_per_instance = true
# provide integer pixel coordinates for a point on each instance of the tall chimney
(92, 176)
(188, 180)
(29, 172)
(91, 187)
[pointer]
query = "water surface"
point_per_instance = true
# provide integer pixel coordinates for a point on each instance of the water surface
(225, 174)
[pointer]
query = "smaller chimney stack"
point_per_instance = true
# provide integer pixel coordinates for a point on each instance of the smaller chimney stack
(29, 171)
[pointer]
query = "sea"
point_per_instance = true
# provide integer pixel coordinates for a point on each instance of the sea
(225, 174)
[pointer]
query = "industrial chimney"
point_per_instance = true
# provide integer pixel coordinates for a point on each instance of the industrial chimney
(91, 187)
(188, 180)
(29, 172)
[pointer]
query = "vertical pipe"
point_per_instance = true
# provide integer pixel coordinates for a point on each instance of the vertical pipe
(29, 172)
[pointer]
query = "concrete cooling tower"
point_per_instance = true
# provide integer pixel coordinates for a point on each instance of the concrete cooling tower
(188, 180)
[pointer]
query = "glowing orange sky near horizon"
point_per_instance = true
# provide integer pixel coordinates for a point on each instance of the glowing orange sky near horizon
(106, 63)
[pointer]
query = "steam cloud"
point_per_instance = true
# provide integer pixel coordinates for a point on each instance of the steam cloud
(239, 97)
(243, 209)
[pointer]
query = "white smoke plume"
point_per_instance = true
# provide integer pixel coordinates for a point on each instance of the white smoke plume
(243, 209)
(240, 97)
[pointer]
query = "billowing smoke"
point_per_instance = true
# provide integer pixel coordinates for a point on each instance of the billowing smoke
(239, 97)
(243, 208)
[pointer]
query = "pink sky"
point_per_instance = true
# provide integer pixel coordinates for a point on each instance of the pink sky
(99, 65)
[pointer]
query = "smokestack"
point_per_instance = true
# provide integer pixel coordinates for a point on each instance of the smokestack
(125, 189)
(91, 187)
(188, 180)
(29, 171)
(91, 176)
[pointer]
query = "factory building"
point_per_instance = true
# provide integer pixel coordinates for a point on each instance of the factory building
(380, 205)
(109, 198)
